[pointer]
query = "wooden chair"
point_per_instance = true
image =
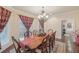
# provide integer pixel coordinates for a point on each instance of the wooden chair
(49, 44)
(26, 34)
(35, 32)
(43, 46)
(30, 33)
(52, 40)
(42, 34)
(50, 30)
(18, 48)
(0, 45)
(16, 45)
(54, 37)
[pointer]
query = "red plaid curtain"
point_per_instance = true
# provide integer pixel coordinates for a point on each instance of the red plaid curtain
(4, 17)
(27, 21)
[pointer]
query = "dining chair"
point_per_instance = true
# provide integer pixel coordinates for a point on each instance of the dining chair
(17, 46)
(30, 33)
(42, 34)
(51, 42)
(53, 39)
(48, 46)
(25, 34)
(35, 32)
(0, 45)
(43, 46)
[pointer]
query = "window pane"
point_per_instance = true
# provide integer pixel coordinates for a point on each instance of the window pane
(22, 29)
(4, 35)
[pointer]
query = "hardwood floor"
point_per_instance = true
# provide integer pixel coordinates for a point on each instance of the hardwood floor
(61, 40)
(76, 48)
(7, 50)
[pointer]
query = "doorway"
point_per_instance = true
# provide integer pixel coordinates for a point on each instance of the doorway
(68, 30)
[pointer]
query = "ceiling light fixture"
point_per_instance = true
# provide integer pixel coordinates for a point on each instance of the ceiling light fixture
(43, 15)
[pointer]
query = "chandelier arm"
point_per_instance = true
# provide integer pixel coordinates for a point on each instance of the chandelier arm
(43, 14)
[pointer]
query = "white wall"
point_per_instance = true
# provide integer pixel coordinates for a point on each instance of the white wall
(55, 24)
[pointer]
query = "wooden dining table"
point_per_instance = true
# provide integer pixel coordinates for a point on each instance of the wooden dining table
(31, 42)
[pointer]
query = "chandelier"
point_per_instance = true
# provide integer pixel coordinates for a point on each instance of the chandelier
(43, 15)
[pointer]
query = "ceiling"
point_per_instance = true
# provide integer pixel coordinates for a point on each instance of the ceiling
(36, 10)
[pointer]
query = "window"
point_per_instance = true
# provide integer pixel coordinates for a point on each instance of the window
(4, 35)
(22, 29)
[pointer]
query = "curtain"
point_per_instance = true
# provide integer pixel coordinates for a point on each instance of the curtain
(27, 21)
(4, 17)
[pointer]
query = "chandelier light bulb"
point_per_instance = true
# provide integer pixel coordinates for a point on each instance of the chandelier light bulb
(46, 16)
(43, 15)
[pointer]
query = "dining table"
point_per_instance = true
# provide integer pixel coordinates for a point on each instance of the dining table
(32, 42)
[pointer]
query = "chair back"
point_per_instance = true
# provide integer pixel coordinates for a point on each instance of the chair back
(0, 43)
(54, 34)
(16, 44)
(35, 32)
(44, 44)
(52, 39)
(25, 34)
(30, 33)
(50, 30)
(45, 38)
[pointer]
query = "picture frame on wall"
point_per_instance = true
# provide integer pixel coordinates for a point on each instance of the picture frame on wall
(69, 25)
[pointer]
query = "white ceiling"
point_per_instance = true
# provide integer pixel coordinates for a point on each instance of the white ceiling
(36, 10)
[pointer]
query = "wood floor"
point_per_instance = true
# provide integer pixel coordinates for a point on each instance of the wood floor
(7, 50)
(76, 48)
